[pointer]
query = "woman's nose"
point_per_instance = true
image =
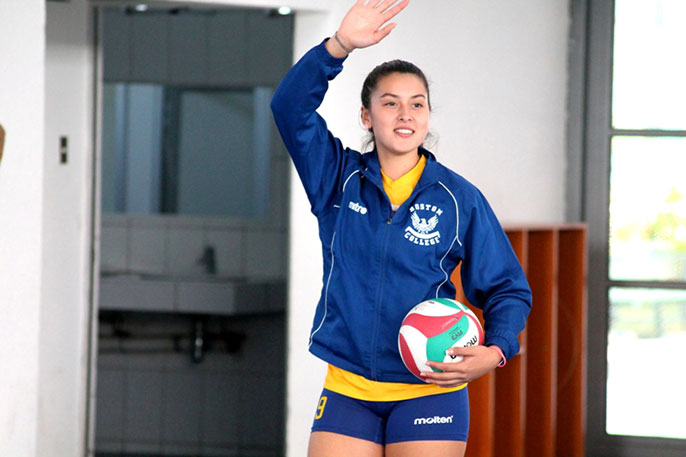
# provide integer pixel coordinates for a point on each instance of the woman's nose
(404, 113)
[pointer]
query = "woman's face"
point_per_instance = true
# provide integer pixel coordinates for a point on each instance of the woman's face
(398, 114)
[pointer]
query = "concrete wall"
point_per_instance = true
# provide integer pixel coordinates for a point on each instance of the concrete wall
(67, 189)
(56, 246)
(21, 211)
(498, 78)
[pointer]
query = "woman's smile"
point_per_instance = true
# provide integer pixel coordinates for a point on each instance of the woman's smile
(404, 132)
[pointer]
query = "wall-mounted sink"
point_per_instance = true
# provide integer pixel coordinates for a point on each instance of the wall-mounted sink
(191, 294)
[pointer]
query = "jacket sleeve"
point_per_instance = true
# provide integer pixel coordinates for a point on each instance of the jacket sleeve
(318, 156)
(493, 279)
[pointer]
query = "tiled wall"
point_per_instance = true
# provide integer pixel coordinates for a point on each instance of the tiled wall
(227, 405)
(172, 245)
(162, 404)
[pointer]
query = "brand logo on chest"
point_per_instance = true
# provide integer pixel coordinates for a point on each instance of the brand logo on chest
(424, 220)
(357, 207)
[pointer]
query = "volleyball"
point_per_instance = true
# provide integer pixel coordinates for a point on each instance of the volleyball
(434, 326)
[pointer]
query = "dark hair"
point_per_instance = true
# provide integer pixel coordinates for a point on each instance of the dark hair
(385, 69)
(381, 71)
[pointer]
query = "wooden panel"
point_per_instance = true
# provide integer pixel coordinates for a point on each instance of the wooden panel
(457, 280)
(481, 396)
(571, 367)
(541, 378)
(481, 417)
(510, 400)
(521, 400)
(519, 240)
(510, 382)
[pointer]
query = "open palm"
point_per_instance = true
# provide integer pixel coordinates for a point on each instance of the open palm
(367, 22)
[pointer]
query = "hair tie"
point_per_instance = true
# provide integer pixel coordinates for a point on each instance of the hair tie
(340, 43)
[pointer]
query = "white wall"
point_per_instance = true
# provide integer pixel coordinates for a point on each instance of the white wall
(499, 79)
(21, 207)
(307, 5)
(66, 225)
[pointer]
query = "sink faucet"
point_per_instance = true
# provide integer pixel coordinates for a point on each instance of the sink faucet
(209, 260)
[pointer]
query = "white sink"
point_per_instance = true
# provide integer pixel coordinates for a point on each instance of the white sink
(191, 294)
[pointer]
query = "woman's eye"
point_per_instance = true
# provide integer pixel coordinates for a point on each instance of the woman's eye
(390, 103)
(418, 105)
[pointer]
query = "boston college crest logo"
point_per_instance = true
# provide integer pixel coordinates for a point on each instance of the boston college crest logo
(424, 219)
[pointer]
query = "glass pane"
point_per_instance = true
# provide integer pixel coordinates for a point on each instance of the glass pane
(649, 89)
(648, 209)
(182, 150)
(646, 374)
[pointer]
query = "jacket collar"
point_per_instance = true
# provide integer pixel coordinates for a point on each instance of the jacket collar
(430, 175)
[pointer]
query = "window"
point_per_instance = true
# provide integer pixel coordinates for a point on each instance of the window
(634, 199)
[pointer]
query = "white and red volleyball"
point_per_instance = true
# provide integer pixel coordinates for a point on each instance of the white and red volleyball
(434, 326)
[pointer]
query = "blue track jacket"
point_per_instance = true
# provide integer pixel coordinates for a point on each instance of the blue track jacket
(378, 265)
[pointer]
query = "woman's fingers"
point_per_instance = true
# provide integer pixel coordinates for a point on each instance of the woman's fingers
(445, 376)
(454, 367)
(389, 13)
(449, 372)
(366, 24)
(447, 384)
(477, 361)
(385, 30)
(445, 379)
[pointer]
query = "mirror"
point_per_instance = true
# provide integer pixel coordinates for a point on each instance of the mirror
(186, 124)
(180, 150)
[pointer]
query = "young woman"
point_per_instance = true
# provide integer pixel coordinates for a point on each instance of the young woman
(393, 223)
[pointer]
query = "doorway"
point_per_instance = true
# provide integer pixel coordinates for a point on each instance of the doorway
(194, 185)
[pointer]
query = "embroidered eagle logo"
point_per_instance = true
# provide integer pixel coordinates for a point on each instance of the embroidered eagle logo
(422, 225)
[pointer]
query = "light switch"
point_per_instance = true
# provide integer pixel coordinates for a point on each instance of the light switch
(2, 141)
(63, 149)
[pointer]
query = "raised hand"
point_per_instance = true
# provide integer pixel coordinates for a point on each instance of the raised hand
(365, 25)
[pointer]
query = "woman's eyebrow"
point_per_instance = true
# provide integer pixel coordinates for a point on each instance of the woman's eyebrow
(388, 94)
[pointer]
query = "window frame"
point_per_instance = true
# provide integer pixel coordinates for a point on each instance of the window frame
(589, 139)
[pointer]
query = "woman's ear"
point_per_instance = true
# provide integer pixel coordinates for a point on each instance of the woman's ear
(365, 118)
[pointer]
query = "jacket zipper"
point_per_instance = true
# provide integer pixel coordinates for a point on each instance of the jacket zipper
(379, 294)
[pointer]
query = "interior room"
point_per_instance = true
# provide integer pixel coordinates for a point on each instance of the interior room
(193, 266)
(161, 264)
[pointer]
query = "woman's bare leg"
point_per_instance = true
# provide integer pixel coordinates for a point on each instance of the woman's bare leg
(426, 449)
(327, 444)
